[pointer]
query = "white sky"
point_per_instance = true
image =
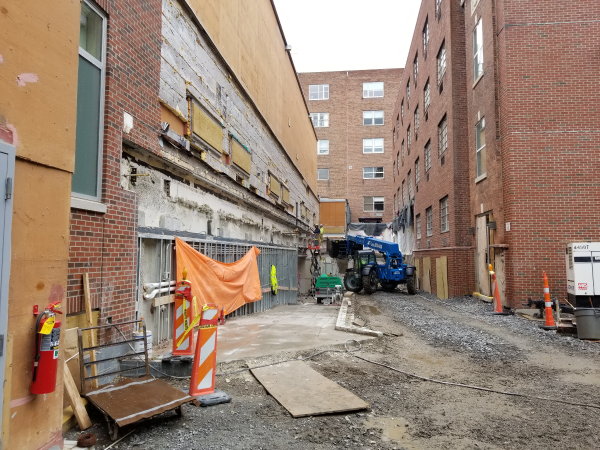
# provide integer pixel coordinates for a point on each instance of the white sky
(329, 35)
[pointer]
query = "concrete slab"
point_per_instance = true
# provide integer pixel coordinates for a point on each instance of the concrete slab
(284, 328)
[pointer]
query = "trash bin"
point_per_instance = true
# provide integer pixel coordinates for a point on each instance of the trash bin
(588, 323)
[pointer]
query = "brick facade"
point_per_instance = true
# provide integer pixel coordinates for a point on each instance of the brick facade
(346, 132)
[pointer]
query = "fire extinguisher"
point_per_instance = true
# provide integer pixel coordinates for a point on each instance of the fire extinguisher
(45, 360)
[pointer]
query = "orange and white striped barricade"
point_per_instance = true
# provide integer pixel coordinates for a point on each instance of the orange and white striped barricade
(498, 311)
(550, 325)
(202, 381)
(183, 318)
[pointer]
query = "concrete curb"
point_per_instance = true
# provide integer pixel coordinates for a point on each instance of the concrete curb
(345, 317)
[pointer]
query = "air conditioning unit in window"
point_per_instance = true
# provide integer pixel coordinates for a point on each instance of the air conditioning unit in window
(583, 273)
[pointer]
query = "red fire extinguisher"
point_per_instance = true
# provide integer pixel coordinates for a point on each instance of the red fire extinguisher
(45, 360)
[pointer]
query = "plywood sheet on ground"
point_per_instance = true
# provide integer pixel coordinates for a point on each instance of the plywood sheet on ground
(305, 392)
(441, 277)
(427, 274)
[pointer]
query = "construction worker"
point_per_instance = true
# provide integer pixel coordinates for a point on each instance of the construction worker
(316, 233)
(320, 234)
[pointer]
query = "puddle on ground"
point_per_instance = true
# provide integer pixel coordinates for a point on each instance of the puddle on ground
(393, 430)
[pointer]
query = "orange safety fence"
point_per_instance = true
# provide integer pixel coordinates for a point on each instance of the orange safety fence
(227, 285)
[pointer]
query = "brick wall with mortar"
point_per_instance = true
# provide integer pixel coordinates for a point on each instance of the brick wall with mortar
(448, 174)
(105, 245)
(346, 133)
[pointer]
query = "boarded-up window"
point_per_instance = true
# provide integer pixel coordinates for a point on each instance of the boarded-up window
(274, 186)
(240, 156)
(205, 127)
(285, 195)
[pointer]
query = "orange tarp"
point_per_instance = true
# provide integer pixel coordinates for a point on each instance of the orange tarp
(227, 285)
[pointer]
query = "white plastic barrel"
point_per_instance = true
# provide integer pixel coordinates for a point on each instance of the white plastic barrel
(139, 344)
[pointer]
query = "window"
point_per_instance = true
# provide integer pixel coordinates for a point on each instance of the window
(408, 140)
(320, 119)
(403, 192)
(429, 218)
(372, 172)
(373, 145)
(398, 197)
(398, 162)
(480, 147)
(402, 110)
(444, 215)
(322, 174)
(478, 50)
(418, 220)
(410, 186)
(402, 149)
(323, 147)
(427, 156)
(394, 135)
(397, 123)
(373, 90)
(417, 172)
(318, 92)
(373, 204)
(438, 9)
(408, 92)
(394, 172)
(443, 135)
(395, 204)
(425, 38)
(372, 117)
(87, 179)
(441, 62)
(426, 96)
(416, 67)
(416, 121)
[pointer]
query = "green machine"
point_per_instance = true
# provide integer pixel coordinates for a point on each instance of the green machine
(329, 289)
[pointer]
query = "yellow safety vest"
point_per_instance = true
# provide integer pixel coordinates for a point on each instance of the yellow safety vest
(273, 280)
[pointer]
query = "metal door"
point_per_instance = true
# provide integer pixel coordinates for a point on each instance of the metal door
(481, 257)
(7, 170)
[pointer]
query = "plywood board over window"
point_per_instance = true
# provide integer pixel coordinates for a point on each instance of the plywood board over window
(240, 156)
(274, 186)
(441, 277)
(207, 128)
(285, 195)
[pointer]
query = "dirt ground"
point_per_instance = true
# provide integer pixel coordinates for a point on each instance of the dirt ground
(456, 340)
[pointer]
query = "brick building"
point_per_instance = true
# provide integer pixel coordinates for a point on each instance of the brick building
(351, 112)
(178, 136)
(503, 138)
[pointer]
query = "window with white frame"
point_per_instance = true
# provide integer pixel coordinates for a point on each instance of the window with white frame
(417, 171)
(418, 221)
(373, 204)
(322, 174)
(398, 196)
(398, 161)
(403, 192)
(394, 170)
(425, 38)
(323, 147)
(318, 92)
(480, 147)
(408, 92)
(408, 139)
(444, 215)
(416, 121)
(372, 172)
(373, 90)
(478, 50)
(373, 145)
(397, 123)
(438, 9)
(395, 203)
(402, 149)
(429, 218)
(416, 67)
(443, 135)
(426, 96)
(87, 177)
(402, 110)
(394, 135)
(427, 156)
(441, 62)
(410, 185)
(372, 117)
(320, 120)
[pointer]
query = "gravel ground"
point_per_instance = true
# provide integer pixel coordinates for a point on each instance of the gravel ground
(455, 340)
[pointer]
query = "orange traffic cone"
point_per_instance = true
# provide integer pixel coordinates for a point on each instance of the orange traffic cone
(202, 381)
(498, 311)
(550, 325)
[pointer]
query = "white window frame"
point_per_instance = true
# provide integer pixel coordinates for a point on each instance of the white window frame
(398, 162)
(322, 91)
(428, 156)
(438, 9)
(372, 117)
(416, 67)
(408, 139)
(102, 66)
(410, 186)
(373, 146)
(429, 218)
(441, 63)
(402, 151)
(320, 147)
(322, 118)
(417, 171)
(444, 224)
(408, 92)
(418, 222)
(373, 201)
(318, 173)
(425, 38)
(478, 50)
(480, 160)
(403, 192)
(369, 89)
(443, 135)
(372, 173)
(416, 120)
(427, 96)
(402, 110)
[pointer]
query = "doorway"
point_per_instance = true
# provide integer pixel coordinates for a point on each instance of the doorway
(482, 255)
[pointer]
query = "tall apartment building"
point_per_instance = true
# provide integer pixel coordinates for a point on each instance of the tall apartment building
(497, 136)
(351, 112)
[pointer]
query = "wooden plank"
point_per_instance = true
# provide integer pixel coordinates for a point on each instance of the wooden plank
(483, 277)
(6, 390)
(417, 264)
(427, 274)
(304, 392)
(83, 420)
(165, 300)
(441, 277)
(500, 268)
(90, 323)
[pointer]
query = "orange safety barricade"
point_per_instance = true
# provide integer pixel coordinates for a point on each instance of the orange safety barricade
(227, 285)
